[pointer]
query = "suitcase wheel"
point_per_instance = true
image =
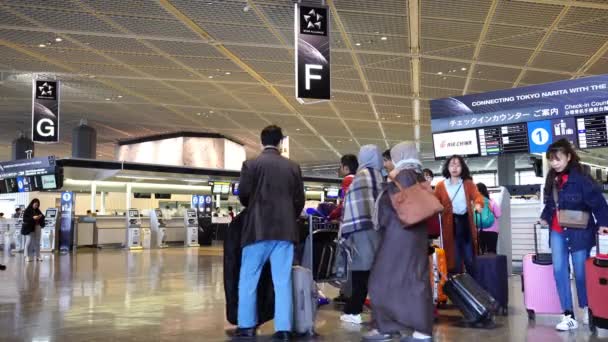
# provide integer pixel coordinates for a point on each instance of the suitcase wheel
(591, 321)
(531, 315)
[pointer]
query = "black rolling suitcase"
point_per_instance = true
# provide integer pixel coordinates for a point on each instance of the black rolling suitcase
(492, 274)
(475, 303)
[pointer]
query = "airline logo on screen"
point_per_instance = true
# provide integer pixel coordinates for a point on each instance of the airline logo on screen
(459, 142)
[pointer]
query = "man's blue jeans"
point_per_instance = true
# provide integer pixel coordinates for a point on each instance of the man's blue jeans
(561, 271)
(253, 259)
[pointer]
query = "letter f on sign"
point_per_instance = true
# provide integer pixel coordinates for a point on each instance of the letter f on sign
(312, 77)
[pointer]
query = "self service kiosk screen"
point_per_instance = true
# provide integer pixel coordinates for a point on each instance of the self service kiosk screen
(191, 214)
(462, 143)
(51, 214)
(332, 192)
(133, 213)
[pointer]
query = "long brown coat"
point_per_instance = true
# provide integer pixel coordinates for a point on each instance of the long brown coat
(472, 196)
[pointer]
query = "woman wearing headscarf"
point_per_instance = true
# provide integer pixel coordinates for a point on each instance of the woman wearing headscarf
(357, 228)
(399, 285)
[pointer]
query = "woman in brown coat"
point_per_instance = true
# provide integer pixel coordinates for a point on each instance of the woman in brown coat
(459, 197)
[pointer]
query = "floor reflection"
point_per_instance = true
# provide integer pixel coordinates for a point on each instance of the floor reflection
(177, 294)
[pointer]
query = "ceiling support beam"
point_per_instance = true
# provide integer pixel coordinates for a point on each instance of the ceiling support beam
(542, 42)
(479, 45)
(569, 3)
(592, 60)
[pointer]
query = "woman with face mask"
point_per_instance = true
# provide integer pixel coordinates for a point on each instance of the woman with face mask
(459, 197)
(574, 190)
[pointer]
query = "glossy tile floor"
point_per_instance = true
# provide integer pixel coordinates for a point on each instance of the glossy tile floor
(176, 294)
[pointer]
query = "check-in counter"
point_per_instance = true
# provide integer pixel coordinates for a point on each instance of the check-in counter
(84, 231)
(220, 225)
(175, 229)
(110, 230)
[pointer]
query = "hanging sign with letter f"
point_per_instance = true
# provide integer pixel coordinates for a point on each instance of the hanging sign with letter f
(312, 52)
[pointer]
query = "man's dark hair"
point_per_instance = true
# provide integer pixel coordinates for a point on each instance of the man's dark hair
(465, 174)
(230, 208)
(387, 155)
(428, 172)
(351, 161)
(271, 135)
(17, 210)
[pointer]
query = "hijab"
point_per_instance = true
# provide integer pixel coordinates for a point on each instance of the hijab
(370, 157)
(405, 156)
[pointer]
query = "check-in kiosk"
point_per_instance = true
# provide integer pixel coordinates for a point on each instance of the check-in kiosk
(17, 241)
(133, 238)
(191, 223)
(47, 237)
(158, 229)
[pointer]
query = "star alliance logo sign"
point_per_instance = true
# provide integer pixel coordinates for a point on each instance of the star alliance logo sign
(46, 90)
(313, 21)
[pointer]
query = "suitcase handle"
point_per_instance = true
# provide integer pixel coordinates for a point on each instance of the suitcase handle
(603, 281)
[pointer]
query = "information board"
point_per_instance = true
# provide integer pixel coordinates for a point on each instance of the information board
(463, 143)
(592, 131)
(503, 139)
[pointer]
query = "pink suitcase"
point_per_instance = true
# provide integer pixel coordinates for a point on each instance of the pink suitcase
(538, 283)
(596, 272)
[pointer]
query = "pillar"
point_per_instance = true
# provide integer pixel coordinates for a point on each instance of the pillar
(102, 205)
(93, 196)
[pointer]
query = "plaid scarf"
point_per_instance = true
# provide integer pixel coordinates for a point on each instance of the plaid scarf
(359, 203)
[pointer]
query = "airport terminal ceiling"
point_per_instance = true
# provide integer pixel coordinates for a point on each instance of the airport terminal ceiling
(137, 67)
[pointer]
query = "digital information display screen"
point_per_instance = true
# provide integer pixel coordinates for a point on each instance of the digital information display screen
(503, 139)
(191, 214)
(592, 131)
(462, 143)
(133, 213)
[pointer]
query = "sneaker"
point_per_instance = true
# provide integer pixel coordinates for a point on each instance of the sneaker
(376, 336)
(567, 323)
(354, 319)
(586, 316)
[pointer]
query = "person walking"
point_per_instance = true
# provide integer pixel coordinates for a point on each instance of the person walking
(457, 193)
(567, 187)
(399, 282)
(271, 188)
(488, 237)
(33, 222)
(357, 231)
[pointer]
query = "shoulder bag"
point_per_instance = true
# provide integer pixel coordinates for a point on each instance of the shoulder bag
(416, 203)
(578, 219)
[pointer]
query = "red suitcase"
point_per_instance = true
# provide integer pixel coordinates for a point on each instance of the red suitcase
(596, 272)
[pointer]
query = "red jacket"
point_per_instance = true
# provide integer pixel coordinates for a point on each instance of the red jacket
(336, 214)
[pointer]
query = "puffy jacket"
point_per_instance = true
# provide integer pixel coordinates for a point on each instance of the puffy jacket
(580, 192)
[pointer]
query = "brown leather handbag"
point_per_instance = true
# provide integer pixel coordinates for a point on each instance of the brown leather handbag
(577, 219)
(416, 203)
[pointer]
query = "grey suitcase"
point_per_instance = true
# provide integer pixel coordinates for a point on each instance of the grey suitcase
(304, 301)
